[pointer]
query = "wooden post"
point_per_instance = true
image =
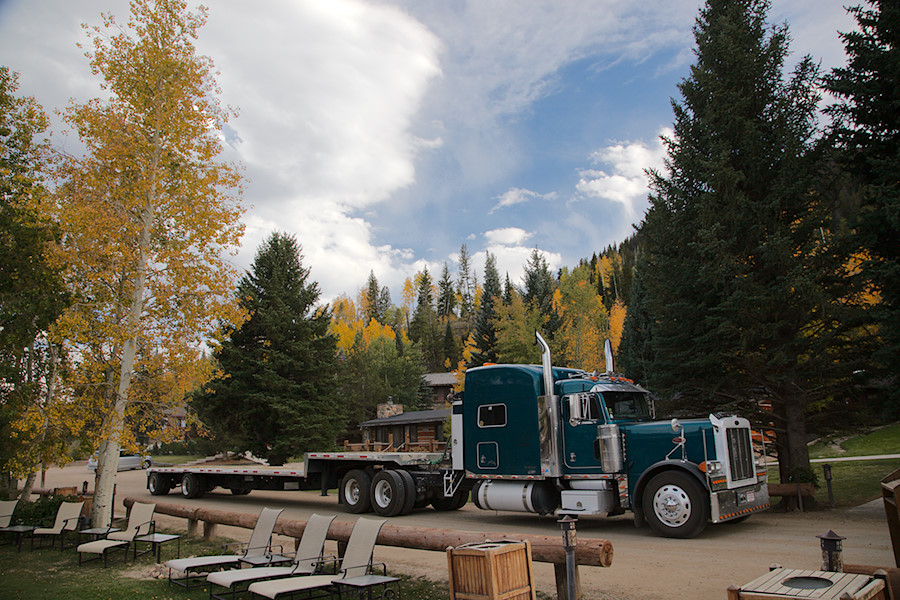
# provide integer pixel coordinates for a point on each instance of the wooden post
(209, 531)
(562, 581)
(734, 592)
(193, 529)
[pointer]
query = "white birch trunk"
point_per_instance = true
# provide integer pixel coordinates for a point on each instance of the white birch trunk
(108, 454)
(108, 459)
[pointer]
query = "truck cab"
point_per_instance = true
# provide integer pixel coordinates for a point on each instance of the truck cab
(544, 439)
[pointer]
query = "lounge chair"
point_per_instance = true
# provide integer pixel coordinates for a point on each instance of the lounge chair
(307, 560)
(258, 552)
(140, 522)
(67, 518)
(357, 563)
(6, 512)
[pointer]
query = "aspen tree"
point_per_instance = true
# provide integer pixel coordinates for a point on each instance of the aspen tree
(148, 215)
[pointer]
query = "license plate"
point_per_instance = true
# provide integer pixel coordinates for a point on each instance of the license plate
(751, 496)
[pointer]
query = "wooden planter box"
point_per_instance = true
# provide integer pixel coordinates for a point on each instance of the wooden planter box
(491, 571)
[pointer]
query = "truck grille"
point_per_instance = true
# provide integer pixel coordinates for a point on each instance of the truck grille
(740, 454)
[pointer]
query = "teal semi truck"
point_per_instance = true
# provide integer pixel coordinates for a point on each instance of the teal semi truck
(543, 439)
(538, 439)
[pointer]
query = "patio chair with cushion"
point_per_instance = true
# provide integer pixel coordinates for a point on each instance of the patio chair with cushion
(308, 559)
(67, 518)
(6, 512)
(258, 552)
(356, 566)
(140, 522)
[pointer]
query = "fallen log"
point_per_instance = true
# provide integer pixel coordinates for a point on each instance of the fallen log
(544, 548)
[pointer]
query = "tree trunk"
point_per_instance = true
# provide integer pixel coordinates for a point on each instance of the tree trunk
(793, 452)
(25, 496)
(108, 461)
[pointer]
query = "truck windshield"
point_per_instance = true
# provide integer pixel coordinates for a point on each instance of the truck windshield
(627, 405)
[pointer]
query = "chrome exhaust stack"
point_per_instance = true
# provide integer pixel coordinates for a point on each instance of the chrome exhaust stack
(548, 416)
(546, 364)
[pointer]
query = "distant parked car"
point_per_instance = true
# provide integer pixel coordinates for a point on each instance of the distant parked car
(127, 461)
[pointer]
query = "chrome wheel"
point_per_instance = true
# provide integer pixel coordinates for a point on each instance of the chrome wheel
(672, 505)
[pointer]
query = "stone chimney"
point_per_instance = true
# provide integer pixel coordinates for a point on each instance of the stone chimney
(388, 409)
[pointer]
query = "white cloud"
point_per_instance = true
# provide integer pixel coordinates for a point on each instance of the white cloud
(515, 196)
(626, 182)
(508, 236)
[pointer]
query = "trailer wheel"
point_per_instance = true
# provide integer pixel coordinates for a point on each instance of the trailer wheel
(675, 505)
(388, 493)
(410, 485)
(191, 486)
(158, 485)
(355, 491)
(454, 502)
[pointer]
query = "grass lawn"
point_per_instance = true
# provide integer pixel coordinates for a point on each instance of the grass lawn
(855, 482)
(881, 441)
(50, 574)
(174, 459)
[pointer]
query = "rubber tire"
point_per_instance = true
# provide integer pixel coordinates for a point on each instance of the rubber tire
(410, 484)
(455, 502)
(191, 486)
(388, 493)
(158, 484)
(239, 491)
(146, 464)
(691, 501)
(355, 485)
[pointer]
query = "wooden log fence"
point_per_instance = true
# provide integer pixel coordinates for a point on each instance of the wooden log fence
(544, 548)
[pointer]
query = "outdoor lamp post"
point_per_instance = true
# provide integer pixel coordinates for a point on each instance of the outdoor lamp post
(826, 471)
(567, 524)
(832, 559)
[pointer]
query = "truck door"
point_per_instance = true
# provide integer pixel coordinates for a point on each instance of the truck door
(581, 413)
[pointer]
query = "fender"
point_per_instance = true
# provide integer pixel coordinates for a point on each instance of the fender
(650, 472)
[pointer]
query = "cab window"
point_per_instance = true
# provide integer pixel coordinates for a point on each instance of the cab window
(492, 415)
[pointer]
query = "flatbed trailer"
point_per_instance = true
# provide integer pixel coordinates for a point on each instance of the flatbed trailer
(399, 481)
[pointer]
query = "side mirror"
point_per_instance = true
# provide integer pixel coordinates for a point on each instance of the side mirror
(676, 425)
(576, 415)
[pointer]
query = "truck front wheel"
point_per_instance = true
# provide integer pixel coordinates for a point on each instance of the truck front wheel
(675, 505)
(191, 486)
(355, 491)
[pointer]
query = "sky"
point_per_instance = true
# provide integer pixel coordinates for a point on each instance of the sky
(385, 134)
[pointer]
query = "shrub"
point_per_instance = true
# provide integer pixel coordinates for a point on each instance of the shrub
(41, 512)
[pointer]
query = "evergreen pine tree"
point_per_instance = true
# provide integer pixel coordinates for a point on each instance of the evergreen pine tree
(424, 329)
(538, 292)
(377, 300)
(485, 335)
(867, 133)
(465, 286)
(446, 295)
(277, 395)
(735, 257)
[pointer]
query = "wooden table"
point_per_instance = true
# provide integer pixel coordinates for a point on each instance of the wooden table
(156, 541)
(780, 583)
(19, 532)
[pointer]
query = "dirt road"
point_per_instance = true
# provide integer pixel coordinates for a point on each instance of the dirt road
(644, 567)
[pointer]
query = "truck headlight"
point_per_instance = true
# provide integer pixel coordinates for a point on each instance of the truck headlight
(713, 467)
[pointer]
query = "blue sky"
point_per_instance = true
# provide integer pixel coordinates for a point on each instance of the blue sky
(385, 134)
